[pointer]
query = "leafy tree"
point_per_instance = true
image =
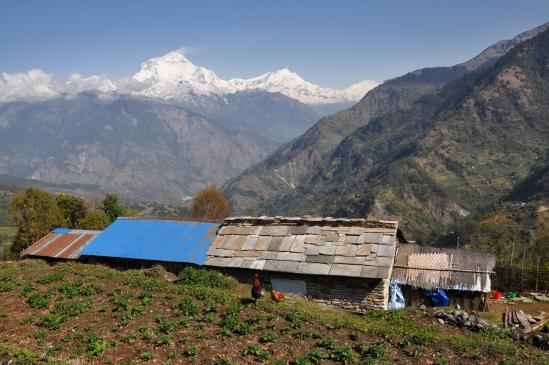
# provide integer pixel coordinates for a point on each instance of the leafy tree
(496, 233)
(35, 213)
(95, 220)
(210, 203)
(111, 207)
(73, 209)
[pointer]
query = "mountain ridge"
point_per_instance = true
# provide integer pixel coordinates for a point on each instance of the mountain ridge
(450, 154)
(284, 169)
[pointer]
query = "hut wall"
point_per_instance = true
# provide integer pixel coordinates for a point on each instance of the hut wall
(356, 294)
(467, 300)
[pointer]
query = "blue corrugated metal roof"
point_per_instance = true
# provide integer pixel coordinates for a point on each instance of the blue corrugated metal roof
(153, 239)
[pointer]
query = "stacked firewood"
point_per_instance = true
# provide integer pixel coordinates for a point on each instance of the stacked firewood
(524, 321)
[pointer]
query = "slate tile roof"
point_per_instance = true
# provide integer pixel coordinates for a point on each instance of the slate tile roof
(306, 245)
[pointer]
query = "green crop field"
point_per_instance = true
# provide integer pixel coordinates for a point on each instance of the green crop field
(80, 313)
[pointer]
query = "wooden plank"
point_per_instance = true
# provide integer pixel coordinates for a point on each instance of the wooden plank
(524, 321)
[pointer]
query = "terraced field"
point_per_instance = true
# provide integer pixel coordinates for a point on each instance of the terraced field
(78, 313)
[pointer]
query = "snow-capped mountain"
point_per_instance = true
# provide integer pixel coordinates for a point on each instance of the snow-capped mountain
(173, 76)
(291, 84)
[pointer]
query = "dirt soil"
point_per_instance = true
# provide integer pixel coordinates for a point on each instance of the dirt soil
(92, 314)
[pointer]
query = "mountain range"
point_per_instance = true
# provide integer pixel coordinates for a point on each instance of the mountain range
(425, 148)
(159, 135)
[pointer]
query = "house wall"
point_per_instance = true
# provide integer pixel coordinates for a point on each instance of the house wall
(355, 294)
(467, 300)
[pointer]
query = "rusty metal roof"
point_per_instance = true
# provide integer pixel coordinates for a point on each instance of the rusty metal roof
(61, 243)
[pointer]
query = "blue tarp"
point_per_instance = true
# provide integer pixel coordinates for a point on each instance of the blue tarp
(154, 239)
(439, 297)
(396, 299)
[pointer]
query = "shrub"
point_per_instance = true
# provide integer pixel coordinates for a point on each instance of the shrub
(38, 300)
(187, 307)
(268, 337)
(205, 278)
(164, 340)
(52, 321)
(147, 356)
(296, 319)
(56, 276)
(342, 354)
(121, 301)
(243, 329)
(376, 351)
(96, 345)
(254, 350)
(165, 325)
(191, 351)
(223, 360)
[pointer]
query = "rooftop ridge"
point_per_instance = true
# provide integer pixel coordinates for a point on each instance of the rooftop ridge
(307, 220)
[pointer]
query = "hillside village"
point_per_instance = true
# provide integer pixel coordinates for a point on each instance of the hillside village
(178, 216)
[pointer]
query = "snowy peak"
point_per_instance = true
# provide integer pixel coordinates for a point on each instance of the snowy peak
(291, 84)
(357, 91)
(173, 76)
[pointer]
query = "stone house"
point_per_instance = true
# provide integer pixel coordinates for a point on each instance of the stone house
(340, 262)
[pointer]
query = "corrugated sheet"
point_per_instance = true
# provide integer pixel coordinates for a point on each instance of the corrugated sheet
(465, 270)
(61, 243)
(156, 240)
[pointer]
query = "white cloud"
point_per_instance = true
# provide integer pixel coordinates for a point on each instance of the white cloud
(35, 85)
(77, 84)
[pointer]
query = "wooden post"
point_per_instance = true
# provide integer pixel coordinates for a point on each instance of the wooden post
(510, 267)
(537, 273)
(522, 268)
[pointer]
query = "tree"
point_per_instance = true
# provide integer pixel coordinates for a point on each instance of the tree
(35, 213)
(111, 207)
(95, 220)
(73, 209)
(210, 203)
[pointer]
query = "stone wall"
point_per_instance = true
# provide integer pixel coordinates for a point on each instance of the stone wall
(355, 294)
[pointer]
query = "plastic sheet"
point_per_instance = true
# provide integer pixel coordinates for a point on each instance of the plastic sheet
(396, 299)
(439, 297)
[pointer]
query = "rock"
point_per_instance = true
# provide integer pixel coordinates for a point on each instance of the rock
(422, 307)
(441, 321)
(458, 307)
(542, 298)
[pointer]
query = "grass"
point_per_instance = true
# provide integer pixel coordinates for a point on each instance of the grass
(85, 313)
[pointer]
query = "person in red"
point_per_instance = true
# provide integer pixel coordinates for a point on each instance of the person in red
(256, 288)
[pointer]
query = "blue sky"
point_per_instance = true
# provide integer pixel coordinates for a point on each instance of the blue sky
(332, 43)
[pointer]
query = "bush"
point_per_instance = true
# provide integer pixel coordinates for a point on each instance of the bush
(268, 337)
(254, 350)
(205, 278)
(38, 300)
(96, 345)
(191, 351)
(187, 307)
(56, 276)
(52, 321)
